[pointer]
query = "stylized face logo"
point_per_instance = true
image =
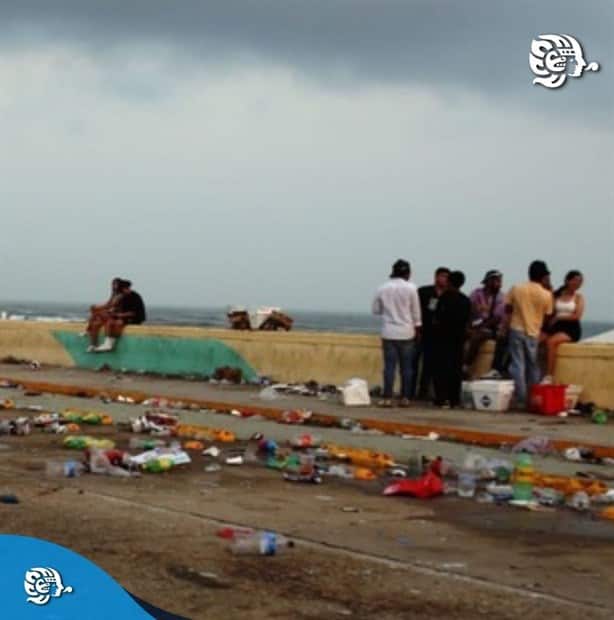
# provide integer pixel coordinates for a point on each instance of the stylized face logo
(42, 584)
(552, 55)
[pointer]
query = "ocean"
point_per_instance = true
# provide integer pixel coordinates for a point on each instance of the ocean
(347, 322)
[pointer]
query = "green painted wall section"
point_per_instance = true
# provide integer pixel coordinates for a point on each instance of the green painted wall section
(157, 354)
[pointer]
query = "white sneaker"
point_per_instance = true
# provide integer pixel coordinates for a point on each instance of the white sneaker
(107, 346)
(547, 380)
(492, 374)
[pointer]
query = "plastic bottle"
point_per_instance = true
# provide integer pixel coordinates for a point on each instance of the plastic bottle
(580, 501)
(156, 466)
(137, 443)
(63, 469)
(466, 483)
(523, 477)
(261, 543)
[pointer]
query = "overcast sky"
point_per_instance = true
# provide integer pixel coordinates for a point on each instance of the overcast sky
(285, 152)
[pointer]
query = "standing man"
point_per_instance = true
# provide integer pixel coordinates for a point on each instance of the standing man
(398, 304)
(528, 305)
(450, 325)
(487, 318)
(429, 298)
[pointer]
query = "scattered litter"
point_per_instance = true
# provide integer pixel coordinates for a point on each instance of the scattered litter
(261, 543)
(573, 454)
(579, 501)
(9, 499)
(355, 393)
(213, 468)
(432, 436)
(310, 476)
(269, 393)
(306, 440)
(599, 417)
(427, 486)
(534, 445)
(296, 416)
(234, 460)
(212, 451)
(193, 445)
(352, 509)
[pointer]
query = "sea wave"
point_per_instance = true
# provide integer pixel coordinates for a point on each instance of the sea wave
(350, 322)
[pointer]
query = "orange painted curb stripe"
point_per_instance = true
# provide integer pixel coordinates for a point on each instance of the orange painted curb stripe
(390, 428)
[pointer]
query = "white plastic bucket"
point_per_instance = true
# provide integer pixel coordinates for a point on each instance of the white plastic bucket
(492, 395)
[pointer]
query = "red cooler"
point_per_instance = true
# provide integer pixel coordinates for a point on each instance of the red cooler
(547, 399)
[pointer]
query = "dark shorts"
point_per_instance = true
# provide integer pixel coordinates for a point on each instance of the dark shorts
(571, 328)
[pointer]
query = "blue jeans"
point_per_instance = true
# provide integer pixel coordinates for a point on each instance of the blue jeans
(399, 352)
(524, 366)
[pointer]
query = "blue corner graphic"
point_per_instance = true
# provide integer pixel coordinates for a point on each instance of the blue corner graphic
(44, 581)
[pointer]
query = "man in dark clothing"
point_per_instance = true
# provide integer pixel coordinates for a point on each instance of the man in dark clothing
(429, 298)
(450, 325)
(130, 311)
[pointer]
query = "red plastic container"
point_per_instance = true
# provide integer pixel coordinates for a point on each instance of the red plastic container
(547, 399)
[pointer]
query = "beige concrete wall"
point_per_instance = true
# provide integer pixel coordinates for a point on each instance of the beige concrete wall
(300, 356)
(588, 365)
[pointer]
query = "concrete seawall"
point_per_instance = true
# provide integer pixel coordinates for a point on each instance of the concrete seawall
(287, 356)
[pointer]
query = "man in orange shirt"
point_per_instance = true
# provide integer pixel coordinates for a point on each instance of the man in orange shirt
(527, 305)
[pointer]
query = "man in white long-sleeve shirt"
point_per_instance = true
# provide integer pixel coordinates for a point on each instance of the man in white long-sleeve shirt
(398, 304)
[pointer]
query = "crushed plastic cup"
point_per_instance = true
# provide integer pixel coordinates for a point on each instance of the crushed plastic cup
(466, 484)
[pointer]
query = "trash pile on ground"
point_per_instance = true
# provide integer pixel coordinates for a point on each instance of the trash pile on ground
(161, 442)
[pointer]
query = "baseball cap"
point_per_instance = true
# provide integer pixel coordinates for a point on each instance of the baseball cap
(492, 273)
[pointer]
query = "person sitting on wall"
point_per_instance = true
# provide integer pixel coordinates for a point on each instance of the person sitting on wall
(564, 325)
(487, 323)
(101, 313)
(130, 311)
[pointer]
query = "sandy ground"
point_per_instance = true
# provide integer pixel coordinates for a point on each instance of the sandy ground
(391, 558)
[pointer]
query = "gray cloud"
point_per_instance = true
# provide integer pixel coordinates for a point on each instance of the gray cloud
(478, 44)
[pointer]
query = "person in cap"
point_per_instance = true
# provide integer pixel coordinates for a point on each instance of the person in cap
(423, 359)
(398, 304)
(527, 306)
(487, 315)
(450, 325)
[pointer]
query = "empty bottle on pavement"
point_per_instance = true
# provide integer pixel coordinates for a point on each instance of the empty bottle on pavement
(523, 477)
(63, 469)
(261, 543)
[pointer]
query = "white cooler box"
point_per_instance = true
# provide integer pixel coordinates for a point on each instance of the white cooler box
(492, 395)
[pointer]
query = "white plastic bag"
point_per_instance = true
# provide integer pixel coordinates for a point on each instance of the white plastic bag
(355, 393)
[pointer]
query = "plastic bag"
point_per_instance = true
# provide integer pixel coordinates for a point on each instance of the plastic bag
(355, 393)
(429, 485)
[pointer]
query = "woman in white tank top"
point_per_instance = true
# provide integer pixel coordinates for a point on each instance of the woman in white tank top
(564, 326)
